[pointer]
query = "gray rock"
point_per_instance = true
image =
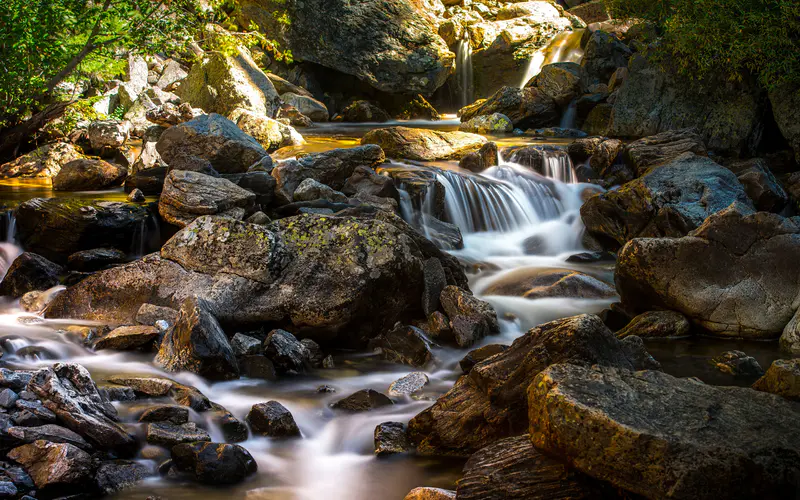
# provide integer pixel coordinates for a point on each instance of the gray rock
(49, 432)
(214, 463)
(760, 184)
(174, 414)
(526, 108)
(288, 354)
(188, 195)
(363, 400)
(126, 338)
(403, 344)
(108, 134)
(233, 429)
(55, 465)
(149, 314)
(390, 439)
(310, 190)
(604, 53)
(8, 398)
(96, 259)
(16, 380)
(470, 318)
(663, 148)
(365, 181)
(409, 384)
(272, 419)
(245, 345)
(89, 174)
(169, 435)
(116, 475)
(785, 100)
(257, 366)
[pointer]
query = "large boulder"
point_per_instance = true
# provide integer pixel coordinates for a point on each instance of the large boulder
(221, 83)
(89, 174)
(782, 378)
(662, 148)
(59, 227)
(55, 468)
(424, 144)
(45, 161)
(785, 100)
(604, 53)
(749, 291)
(760, 184)
(529, 107)
(663, 437)
(562, 82)
(30, 272)
(214, 463)
(669, 200)
(307, 105)
(331, 168)
(270, 133)
(489, 403)
(188, 195)
(213, 138)
(392, 45)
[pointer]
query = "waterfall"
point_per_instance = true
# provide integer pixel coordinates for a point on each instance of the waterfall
(568, 118)
(9, 250)
(464, 73)
(564, 47)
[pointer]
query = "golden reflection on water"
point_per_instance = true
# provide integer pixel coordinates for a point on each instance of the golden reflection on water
(18, 190)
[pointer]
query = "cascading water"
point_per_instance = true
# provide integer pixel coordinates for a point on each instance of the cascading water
(564, 47)
(9, 250)
(464, 72)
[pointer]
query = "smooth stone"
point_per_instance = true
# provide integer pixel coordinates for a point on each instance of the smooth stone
(272, 419)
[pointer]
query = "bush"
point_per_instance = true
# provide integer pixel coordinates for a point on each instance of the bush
(724, 37)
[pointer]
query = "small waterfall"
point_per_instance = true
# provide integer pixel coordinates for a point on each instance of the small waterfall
(9, 250)
(564, 47)
(558, 166)
(464, 72)
(568, 118)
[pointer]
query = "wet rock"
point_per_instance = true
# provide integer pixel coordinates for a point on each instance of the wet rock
(8, 398)
(760, 184)
(150, 314)
(9, 490)
(365, 181)
(390, 438)
(149, 181)
(748, 292)
(480, 160)
(287, 353)
(310, 190)
(663, 148)
(315, 353)
(174, 414)
(16, 380)
(44, 162)
(495, 123)
(657, 436)
(126, 338)
(471, 319)
(213, 138)
(49, 432)
(657, 325)
(117, 393)
(58, 227)
(243, 345)
(168, 434)
(363, 111)
(221, 83)
(259, 218)
(108, 134)
(475, 356)
(87, 174)
(561, 81)
(425, 493)
(272, 419)
(55, 466)
(423, 144)
(331, 168)
(96, 259)
(526, 108)
(670, 201)
(257, 366)
(513, 468)
(233, 429)
(537, 284)
(32, 413)
(188, 195)
(738, 364)
(782, 378)
(116, 475)
(214, 463)
(604, 53)
(409, 384)
(490, 403)
(68, 390)
(363, 400)
(403, 344)
(30, 272)
(156, 387)
(198, 344)
(592, 257)
(308, 106)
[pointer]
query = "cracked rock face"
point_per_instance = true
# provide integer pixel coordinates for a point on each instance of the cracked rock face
(737, 275)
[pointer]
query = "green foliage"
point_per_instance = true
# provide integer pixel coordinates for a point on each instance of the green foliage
(724, 37)
(118, 113)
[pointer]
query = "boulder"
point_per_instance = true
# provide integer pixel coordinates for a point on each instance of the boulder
(603, 54)
(760, 184)
(331, 168)
(310, 190)
(59, 227)
(366, 181)
(390, 439)
(670, 201)
(425, 493)
(45, 162)
(188, 195)
(561, 81)
(49, 432)
(490, 403)
(114, 476)
(513, 468)
(214, 463)
(272, 419)
(409, 384)
(108, 134)
(245, 345)
(96, 259)
(307, 105)
(423, 144)
(168, 434)
(88, 174)
(271, 134)
(55, 467)
(221, 83)
(471, 319)
(785, 100)
(198, 344)
(663, 437)
(68, 391)
(30, 272)
(363, 111)
(535, 283)
(526, 108)
(392, 45)
(213, 138)
(478, 161)
(150, 315)
(288, 354)
(657, 325)
(475, 356)
(403, 344)
(738, 364)
(750, 290)
(663, 148)
(363, 400)
(782, 378)
(496, 123)
(149, 181)
(157, 387)
(169, 114)
(126, 338)
(174, 414)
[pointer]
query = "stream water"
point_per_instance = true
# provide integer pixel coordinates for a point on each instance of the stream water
(499, 213)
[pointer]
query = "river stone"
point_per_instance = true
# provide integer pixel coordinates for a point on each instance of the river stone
(126, 338)
(174, 414)
(657, 325)
(8, 398)
(738, 364)
(198, 344)
(537, 284)
(659, 436)
(233, 429)
(244, 345)
(96, 259)
(68, 390)
(169, 434)
(423, 144)
(363, 400)
(471, 319)
(390, 438)
(287, 353)
(30, 272)
(526, 108)
(513, 468)
(116, 475)
(782, 378)
(392, 45)
(365, 181)
(257, 366)
(271, 134)
(409, 384)
(749, 292)
(58, 227)
(307, 105)
(150, 314)
(425, 493)
(214, 463)
(54, 465)
(188, 195)
(490, 403)
(16, 380)
(310, 190)
(108, 134)
(213, 138)
(403, 344)
(272, 419)
(87, 174)
(760, 184)
(363, 111)
(48, 432)
(670, 201)
(44, 162)
(156, 387)
(663, 148)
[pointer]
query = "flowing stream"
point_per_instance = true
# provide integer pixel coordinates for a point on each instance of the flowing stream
(564, 47)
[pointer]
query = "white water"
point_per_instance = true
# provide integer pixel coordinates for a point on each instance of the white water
(564, 47)
(464, 72)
